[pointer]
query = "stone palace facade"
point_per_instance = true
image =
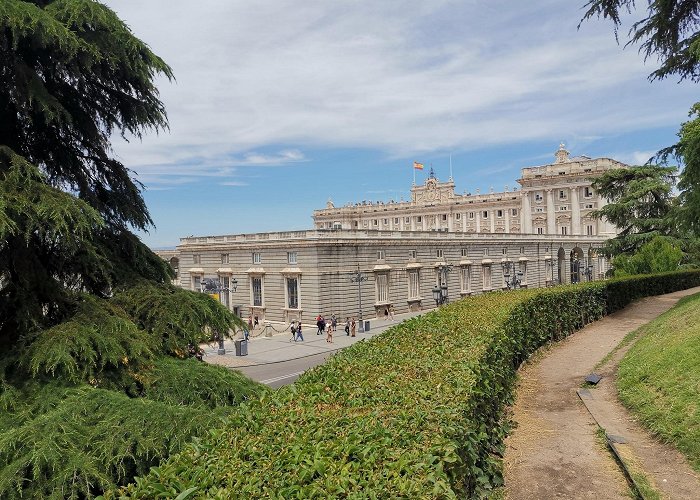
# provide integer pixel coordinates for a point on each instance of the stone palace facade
(362, 259)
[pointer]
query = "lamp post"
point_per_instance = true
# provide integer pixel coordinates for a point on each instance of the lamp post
(511, 277)
(358, 277)
(587, 270)
(440, 293)
(211, 286)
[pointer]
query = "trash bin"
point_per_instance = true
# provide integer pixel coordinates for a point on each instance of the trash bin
(241, 347)
(367, 325)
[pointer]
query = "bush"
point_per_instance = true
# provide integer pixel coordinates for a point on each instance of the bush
(417, 412)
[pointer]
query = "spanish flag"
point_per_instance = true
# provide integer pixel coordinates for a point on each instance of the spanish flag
(417, 166)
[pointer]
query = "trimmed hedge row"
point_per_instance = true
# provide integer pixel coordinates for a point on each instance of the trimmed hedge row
(417, 412)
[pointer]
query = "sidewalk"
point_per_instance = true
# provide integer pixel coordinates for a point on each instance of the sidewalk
(264, 350)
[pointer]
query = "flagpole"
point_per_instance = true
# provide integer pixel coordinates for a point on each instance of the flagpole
(414, 173)
(450, 167)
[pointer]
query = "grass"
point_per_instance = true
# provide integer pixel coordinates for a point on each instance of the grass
(659, 378)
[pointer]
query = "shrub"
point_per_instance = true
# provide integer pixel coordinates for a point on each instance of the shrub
(417, 412)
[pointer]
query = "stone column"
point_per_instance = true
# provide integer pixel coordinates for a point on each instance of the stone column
(493, 221)
(507, 217)
(551, 221)
(450, 223)
(575, 212)
(477, 214)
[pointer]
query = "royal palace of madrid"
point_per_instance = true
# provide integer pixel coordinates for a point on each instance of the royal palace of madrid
(362, 259)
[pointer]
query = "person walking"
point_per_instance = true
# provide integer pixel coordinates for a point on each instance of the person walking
(352, 327)
(329, 333)
(334, 323)
(347, 326)
(318, 325)
(293, 329)
(250, 323)
(299, 335)
(391, 313)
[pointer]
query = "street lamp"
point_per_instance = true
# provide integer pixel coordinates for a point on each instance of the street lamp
(358, 277)
(213, 286)
(440, 294)
(511, 277)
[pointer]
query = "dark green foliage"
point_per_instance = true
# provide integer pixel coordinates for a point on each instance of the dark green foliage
(175, 316)
(98, 340)
(193, 383)
(641, 205)
(657, 256)
(76, 442)
(669, 31)
(71, 75)
(416, 412)
(688, 149)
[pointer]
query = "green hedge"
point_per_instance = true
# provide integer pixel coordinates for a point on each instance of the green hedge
(417, 412)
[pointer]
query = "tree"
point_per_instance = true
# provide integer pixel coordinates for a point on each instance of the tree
(88, 316)
(657, 256)
(641, 205)
(669, 31)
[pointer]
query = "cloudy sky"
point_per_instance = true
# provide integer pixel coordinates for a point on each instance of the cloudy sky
(280, 105)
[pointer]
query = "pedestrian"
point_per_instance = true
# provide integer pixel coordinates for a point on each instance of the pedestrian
(299, 335)
(323, 324)
(245, 334)
(329, 334)
(318, 325)
(334, 323)
(352, 327)
(347, 326)
(256, 322)
(386, 313)
(391, 313)
(250, 322)
(293, 329)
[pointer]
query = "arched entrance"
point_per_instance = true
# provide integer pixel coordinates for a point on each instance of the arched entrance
(561, 270)
(577, 264)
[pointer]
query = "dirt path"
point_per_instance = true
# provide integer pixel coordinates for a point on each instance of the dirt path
(556, 450)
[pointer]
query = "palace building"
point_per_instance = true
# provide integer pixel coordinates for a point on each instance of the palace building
(364, 258)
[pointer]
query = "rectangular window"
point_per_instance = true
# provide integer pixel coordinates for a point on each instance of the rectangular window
(504, 251)
(587, 192)
(291, 257)
(386, 221)
(589, 230)
(257, 258)
(407, 220)
(486, 252)
(562, 194)
(466, 278)
(471, 215)
(514, 212)
(439, 254)
(563, 208)
(458, 216)
(224, 258)
(380, 255)
(486, 276)
(564, 230)
(538, 196)
(396, 220)
(540, 230)
(293, 293)
(499, 213)
(465, 252)
(382, 288)
(375, 222)
(196, 259)
(589, 205)
(224, 293)
(256, 286)
(197, 280)
(414, 284)
(444, 217)
(522, 250)
(412, 254)
(539, 210)
(485, 214)
(419, 219)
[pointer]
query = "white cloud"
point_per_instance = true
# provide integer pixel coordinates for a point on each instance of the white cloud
(406, 78)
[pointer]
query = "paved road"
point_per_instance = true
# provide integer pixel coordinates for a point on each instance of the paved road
(276, 361)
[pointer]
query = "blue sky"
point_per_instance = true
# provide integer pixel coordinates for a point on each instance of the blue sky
(278, 106)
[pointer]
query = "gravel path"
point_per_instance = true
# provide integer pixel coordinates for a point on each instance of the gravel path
(556, 450)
